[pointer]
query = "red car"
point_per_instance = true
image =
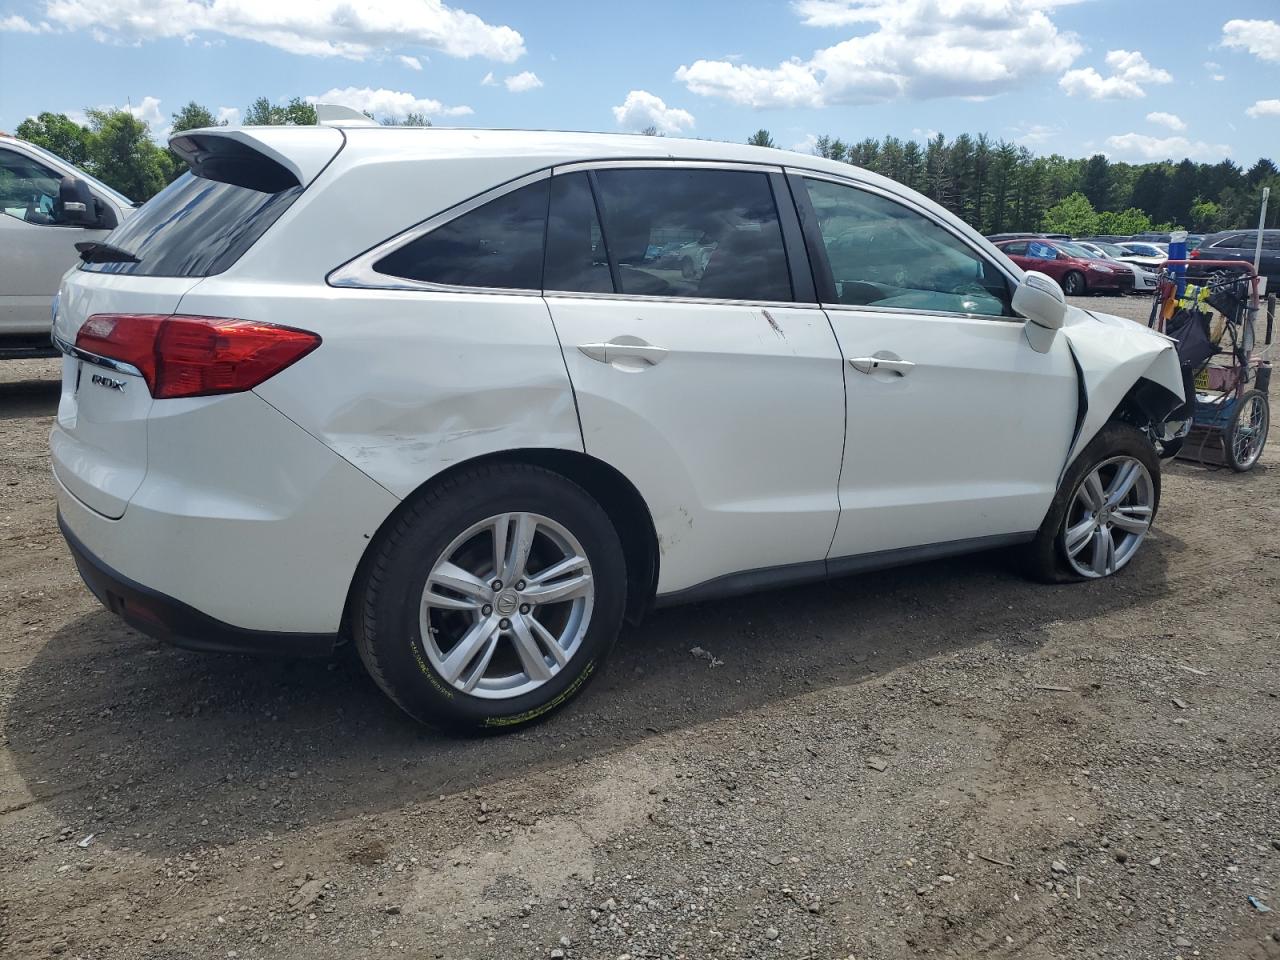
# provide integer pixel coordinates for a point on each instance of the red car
(1075, 268)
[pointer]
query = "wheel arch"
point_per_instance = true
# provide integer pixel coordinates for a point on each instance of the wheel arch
(620, 499)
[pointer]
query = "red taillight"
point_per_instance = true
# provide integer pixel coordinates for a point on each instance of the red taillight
(182, 356)
(1194, 254)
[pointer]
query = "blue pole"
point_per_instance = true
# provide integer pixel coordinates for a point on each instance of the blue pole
(1178, 251)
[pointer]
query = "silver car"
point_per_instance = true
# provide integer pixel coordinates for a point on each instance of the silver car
(46, 213)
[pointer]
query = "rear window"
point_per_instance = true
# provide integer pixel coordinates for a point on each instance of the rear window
(195, 228)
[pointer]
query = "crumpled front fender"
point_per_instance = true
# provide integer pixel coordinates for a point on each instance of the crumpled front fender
(1113, 354)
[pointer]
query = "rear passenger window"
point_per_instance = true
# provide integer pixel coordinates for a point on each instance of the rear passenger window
(497, 245)
(694, 233)
(576, 258)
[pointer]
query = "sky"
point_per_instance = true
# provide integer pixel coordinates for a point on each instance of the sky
(1135, 81)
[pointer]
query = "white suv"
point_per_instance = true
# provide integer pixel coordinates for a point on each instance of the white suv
(443, 392)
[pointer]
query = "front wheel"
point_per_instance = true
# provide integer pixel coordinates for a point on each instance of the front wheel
(1103, 510)
(492, 599)
(1073, 284)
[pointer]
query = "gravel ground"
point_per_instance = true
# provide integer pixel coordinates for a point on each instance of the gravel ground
(944, 760)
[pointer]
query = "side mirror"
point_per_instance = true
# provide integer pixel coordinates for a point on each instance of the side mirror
(1040, 300)
(78, 206)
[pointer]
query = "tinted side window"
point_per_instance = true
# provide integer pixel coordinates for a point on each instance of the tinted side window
(576, 258)
(886, 254)
(498, 244)
(694, 233)
(1016, 249)
(28, 190)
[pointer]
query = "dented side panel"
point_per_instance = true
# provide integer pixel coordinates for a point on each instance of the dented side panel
(733, 436)
(408, 383)
(1113, 354)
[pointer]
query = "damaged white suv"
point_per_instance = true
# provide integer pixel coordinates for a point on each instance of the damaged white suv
(455, 395)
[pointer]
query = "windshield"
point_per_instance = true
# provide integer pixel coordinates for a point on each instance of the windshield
(193, 228)
(1075, 250)
(94, 182)
(1112, 249)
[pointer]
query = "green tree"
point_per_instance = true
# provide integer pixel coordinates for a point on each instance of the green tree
(194, 116)
(831, 148)
(1125, 222)
(58, 134)
(263, 113)
(1205, 216)
(410, 120)
(123, 155)
(1095, 182)
(761, 138)
(1072, 215)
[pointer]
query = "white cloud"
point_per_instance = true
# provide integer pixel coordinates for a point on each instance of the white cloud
(1170, 120)
(229, 116)
(396, 104)
(1129, 71)
(808, 145)
(916, 49)
(1142, 147)
(413, 63)
(17, 24)
(322, 28)
(522, 82)
(1259, 37)
(642, 109)
(1264, 108)
(489, 80)
(1037, 134)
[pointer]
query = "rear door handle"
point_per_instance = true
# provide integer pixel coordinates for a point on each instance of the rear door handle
(624, 348)
(872, 364)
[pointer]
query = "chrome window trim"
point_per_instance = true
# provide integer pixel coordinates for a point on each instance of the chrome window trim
(358, 272)
(941, 314)
(916, 208)
(71, 350)
(654, 298)
(659, 163)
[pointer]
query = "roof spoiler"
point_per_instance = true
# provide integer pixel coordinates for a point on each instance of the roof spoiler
(269, 156)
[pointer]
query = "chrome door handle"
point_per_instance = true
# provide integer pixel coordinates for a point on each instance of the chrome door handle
(872, 364)
(628, 348)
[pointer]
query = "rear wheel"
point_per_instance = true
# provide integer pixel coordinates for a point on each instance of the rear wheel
(493, 599)
(1073, 284)
(1103, 509)
(1247, 432)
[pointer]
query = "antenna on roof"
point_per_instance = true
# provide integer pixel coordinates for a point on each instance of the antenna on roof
(336, 115)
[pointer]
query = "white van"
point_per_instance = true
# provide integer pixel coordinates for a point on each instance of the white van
(48, 206)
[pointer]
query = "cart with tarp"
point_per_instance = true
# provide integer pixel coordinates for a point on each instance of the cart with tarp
(1226, 371)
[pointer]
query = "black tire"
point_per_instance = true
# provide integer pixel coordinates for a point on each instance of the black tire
(386, 624)
(1045, 558)
(1243, 460)
(1073, 284)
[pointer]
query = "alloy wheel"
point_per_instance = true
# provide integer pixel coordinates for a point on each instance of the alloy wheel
(1110, 514)
(506, 605)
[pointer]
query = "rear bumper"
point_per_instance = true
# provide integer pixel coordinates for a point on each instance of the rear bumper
(173, 621)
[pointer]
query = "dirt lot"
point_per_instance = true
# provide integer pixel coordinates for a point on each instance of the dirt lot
(938, 761)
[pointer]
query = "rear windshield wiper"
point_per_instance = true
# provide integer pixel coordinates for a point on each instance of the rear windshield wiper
(96, 251)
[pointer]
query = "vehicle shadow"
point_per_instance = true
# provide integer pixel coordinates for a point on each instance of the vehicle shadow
(23, 399)
(176, 750)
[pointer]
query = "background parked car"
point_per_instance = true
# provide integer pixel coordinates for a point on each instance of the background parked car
(1239, 245)
(38, 234)
(1076, 270)
(1144, 275)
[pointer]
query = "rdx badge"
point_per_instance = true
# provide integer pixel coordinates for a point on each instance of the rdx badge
(109, 382)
